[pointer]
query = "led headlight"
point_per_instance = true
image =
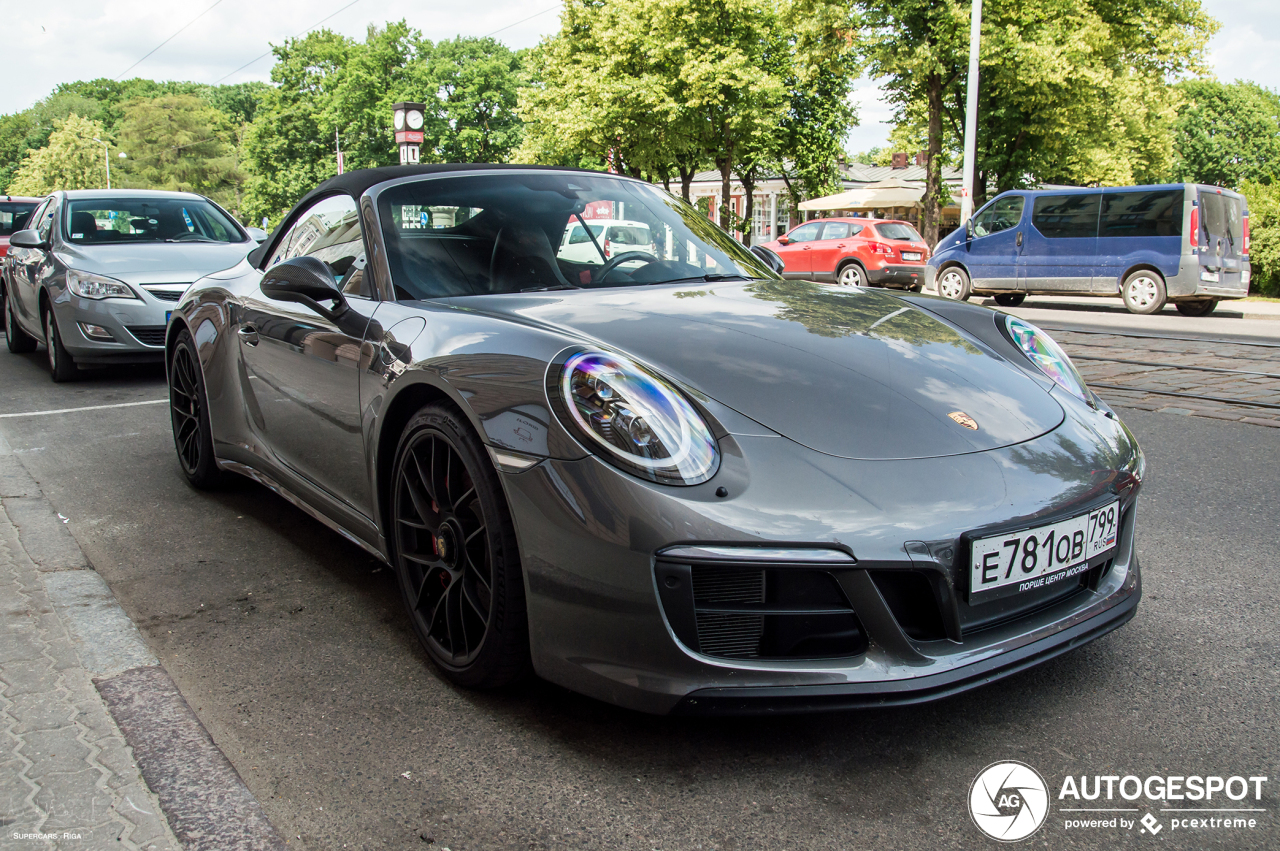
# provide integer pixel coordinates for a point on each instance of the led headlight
(636, 420)
(87, 285)
(1045, 353)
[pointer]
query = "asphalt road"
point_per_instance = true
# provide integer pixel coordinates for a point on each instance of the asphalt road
(292, 647)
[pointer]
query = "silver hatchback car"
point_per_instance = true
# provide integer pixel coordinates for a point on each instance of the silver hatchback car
(97, 272)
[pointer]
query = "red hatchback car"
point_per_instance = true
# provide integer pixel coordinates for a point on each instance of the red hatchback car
(854, 252)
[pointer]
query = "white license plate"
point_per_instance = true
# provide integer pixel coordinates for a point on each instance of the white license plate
(1033, 559)
(911, 255)
(1207, 275)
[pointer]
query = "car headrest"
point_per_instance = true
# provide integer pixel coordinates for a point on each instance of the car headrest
(83, 222)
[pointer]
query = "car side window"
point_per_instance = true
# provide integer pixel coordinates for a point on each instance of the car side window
(805, 233)
(1067, 216)
(1004, 213)
(330, 230)
(838, 230)
(43, 221)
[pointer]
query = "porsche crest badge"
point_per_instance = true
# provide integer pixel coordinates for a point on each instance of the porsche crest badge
(964, 419)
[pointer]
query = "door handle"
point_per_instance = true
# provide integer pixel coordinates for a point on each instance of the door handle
(808, 248)
(248, 334)
(1018, 241)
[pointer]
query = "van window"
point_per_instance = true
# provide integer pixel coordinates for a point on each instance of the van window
(1220, 215)
(1067, 216)
(1155, 213)
(1003, 214)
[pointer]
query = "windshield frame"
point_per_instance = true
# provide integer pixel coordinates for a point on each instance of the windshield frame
(371, 204)
(64, 225)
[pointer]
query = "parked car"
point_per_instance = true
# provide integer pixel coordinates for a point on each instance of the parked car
(611, 237)
(98, 272)
(854, 252)
(674, 482)
(14, 212)
(1181, 243)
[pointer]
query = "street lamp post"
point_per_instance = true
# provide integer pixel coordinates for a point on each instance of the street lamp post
(971, 113)
(106, 158)
(408, 119)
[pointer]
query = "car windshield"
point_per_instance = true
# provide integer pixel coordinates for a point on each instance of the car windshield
(14, 215)
(92, 221)
(895, 230)
(523, 232)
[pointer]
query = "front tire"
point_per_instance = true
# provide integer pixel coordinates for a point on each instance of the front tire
(1010, 299)
(1197, 308)
(18, 341)
(454, 549)
(189, 413)
(851, 275)
(1143, 292)
(953, 283)
(62, 367)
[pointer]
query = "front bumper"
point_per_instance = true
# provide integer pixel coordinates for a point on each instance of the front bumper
(898, 275)
(595, 543)
(136, 327)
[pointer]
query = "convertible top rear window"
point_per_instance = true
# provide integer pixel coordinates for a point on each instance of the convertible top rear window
(484, 234)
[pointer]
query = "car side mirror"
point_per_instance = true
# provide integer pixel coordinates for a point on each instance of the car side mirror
(968, 229)
(258, 235)
(784, 240)
(306, 280)
(769, 258)
(29, 238)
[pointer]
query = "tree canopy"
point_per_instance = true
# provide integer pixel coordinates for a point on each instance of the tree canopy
(1227, 133)
(70, 160)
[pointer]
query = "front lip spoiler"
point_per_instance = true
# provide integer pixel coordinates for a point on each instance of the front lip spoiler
(829, 698)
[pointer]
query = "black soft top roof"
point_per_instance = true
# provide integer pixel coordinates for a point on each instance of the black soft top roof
(355, 183)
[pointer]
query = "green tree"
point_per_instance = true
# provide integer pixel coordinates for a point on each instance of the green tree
(1264, 235)
(476, 84)
(180, 143)
(71, 160)
(1227, 133)
(1070, 92)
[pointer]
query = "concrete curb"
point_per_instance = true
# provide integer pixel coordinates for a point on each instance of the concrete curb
(204, 800)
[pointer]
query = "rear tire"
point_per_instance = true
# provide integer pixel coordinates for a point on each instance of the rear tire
(953, 283)
(1143, 292)
(62, 367)
(1010, 299)
(189, 414)
(18, 341)
(1197, 308)
(851, 275)
(453, 546)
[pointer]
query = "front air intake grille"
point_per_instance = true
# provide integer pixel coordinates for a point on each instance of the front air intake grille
(759, 611)
(148, 335)
(165, 295)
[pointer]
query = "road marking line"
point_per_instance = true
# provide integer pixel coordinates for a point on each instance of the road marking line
(86, 408)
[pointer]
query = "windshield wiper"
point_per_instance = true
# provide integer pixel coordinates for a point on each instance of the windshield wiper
(548, 289)
(198, 239)
(727, 277)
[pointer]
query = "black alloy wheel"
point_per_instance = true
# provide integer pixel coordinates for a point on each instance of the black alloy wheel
(62, 367)
(18, 341)
(1010, 299)
(455, 553)
(189, 413)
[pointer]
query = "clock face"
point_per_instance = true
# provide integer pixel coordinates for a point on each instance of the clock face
(414, 118)
(399, 119)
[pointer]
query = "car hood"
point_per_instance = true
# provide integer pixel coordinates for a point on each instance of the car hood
(849, 372)
(155, 263)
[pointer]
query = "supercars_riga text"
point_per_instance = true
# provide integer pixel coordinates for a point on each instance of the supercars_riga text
(658, 474)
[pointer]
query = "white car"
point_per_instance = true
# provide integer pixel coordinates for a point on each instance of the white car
(613, 236)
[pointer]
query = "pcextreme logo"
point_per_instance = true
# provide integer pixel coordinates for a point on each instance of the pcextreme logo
(1009, 801)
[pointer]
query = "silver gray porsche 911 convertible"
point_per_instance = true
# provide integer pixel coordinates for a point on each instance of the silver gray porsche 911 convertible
(656, 472)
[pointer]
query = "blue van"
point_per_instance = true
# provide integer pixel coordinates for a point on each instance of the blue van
(1182, 243)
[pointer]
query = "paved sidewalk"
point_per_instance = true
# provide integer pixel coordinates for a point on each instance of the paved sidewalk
(67, 777)
(98, 750)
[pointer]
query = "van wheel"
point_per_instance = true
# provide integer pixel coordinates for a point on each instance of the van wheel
(1197, 308)
(953, 283)
(1010, 299)
(1143, 292)
(851, 275)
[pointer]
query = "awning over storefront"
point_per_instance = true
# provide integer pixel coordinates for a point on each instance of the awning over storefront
(885, 194)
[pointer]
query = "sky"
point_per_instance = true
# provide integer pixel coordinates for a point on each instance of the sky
(67, 40)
